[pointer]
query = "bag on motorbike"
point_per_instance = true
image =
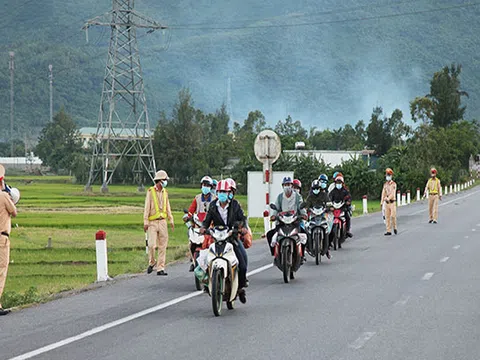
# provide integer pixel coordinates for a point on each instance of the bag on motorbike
(207, 241)
(200, 274)
(246, 237)
(202, 259)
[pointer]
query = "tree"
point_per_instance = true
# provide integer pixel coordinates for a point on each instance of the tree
(59, 143)
(290, 132)
(422, 109)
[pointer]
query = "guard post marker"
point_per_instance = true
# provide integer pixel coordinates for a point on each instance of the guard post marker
(365, 204)
(404, 199)
(418, 194)
(409, 197)
(101, 251)
(451, 188)
(399, 198)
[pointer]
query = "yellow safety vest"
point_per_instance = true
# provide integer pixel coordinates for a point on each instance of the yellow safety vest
(435, 186)
(158, 214)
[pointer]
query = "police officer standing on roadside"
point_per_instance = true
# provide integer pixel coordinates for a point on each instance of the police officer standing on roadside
(388, 198)
(7, 210)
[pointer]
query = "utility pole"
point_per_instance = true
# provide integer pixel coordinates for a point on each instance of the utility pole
(50, 67)
(229, 99)
(12, 71)
(123, 129)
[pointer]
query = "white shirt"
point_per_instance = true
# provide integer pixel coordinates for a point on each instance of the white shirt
(223, 212)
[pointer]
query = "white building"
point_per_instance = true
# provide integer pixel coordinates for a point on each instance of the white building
(88, 133)
(23, 163)
(332, 157)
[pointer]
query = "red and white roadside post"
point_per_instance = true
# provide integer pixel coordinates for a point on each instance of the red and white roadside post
(404, 199)
(101, 252)
(365, 204)
(399, 198)
(451, 188)
(266, 213)
(409, 199)
(418, 194)
(446, 190)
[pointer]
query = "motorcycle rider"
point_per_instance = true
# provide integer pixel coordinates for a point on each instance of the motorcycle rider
(332, 185)
(214, 187)
(229, 213)
(297, 186)
(200, 206)
(340, 193)
(288, 200)
(318, 197)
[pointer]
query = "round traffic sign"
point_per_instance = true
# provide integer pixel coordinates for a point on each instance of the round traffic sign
(267, 147)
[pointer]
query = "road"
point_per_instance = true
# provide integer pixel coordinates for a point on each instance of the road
(410, 296)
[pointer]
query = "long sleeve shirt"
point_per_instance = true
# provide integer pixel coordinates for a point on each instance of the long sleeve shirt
(433, 186)
(150, 205)
(320, 199)
(389, 191)
(7, 209)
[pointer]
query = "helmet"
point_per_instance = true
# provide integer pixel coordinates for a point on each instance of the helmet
(336, 175)
(315, 184)
(287, 180)
(15, 194)
(160, 175)
(297, 183)
(323, 177)
(207, 179)
(339, 178)
(223, 185)
(389, 171)
(233, 184)
(214, 183)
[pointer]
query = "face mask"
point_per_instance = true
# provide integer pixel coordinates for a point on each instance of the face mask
(222, 197)
(388, 177)
(297, 191)
(230, 196)
(323, 185)
(205, 190)
(213, 192)
(316, 191)
(287, 190)
(338, 186)
(433, 175)
(164, 183)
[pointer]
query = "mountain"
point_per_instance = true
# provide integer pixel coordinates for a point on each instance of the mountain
(325, 62)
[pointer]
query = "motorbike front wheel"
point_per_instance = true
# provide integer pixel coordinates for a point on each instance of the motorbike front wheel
(286, 265)
(217, 291)
(316, 240)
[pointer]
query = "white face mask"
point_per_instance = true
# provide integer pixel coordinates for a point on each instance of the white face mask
(388, 177)
(287, 190)
(338, 186)
(316, 191)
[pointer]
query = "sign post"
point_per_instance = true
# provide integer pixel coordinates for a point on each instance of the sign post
(267, 149)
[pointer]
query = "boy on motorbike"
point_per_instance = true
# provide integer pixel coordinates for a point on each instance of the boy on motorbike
(297, 186)
(199, 206)
(288, 200)
(340, 193)
(318, 197)
(229, 213)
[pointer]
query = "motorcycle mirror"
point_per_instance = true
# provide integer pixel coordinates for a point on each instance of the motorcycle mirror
(273, 206)
(185, 211)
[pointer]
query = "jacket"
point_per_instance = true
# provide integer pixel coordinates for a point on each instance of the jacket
(317, 200)
(340, 195)
(235, 215)
(298, 202)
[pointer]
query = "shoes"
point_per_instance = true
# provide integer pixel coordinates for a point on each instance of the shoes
(4, 312)
(246, 283)
(329, 256)
(395, 231)
(304, 260)
(349, 234)
(192, 267)
(435, 221)
(431, 221)
(150, 269)
(162, 272)
(388, 233)
(242, 296)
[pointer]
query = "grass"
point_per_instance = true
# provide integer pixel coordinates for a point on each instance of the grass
(54, 208)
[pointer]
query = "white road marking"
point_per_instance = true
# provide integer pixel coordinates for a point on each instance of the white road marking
(474, 229)
(402, 301)
(118, 322)
(446, 203)
(456, 247)
(466, 236)
(362, 340)
(427, 276)
(445, 259)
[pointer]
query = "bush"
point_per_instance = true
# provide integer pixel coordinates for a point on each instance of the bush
(11, 298)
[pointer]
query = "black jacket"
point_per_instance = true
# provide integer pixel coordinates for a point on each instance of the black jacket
(340, 195)
(317, 200)
(235, 215)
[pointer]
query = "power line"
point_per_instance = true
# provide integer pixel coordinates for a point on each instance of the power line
(376, 17)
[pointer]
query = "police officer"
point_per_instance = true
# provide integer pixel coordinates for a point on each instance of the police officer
(434, 188)
(7, 210)
(388, 198)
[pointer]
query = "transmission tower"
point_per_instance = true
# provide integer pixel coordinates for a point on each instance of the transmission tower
(123, 130)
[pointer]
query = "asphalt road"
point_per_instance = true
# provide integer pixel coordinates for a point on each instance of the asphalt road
(411, 296)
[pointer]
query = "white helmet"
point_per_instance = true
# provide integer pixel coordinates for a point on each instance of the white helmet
(15, 194)
(207, 179)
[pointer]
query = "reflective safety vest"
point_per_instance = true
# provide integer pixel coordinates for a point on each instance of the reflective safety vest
(158, 214)
(434, 191)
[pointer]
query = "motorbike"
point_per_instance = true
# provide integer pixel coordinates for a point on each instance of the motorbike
(288, 249)
(222, 268)
(196, 240)
(318, 228)
(339, 228)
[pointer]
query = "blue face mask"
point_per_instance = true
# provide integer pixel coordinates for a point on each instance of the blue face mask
(222, 197)
(230, 196)
(316, 191)
(206, 190)
(338, 186)
(213, 192)
(323, 185)
(164, 183)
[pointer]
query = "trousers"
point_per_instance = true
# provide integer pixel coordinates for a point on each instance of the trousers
(433, 207)
(391, 216)
(157, 238)
(4, 261)
(241, 255)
